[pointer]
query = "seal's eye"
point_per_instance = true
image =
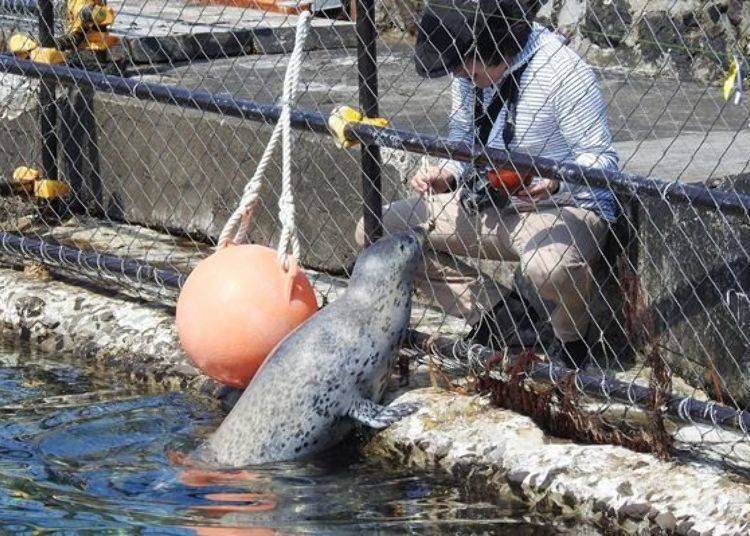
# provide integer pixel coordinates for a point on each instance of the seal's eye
(401, 247)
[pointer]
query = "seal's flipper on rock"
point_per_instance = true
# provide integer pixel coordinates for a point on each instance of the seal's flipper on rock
(376, 416)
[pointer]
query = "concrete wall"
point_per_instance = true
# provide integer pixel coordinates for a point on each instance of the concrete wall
(172, 168)
(694, 270)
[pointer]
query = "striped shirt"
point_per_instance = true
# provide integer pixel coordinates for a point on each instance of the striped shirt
(560, 114)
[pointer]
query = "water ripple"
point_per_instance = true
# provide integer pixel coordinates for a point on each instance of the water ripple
(82, 452)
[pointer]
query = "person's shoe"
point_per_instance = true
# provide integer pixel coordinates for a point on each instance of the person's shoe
(512, 323)
(573, 354)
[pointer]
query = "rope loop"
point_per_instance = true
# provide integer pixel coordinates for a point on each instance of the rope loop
(237, 226)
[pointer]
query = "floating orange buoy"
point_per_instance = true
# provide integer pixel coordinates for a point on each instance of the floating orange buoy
(236, 306)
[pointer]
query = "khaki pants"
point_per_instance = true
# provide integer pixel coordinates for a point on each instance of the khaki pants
(553, 244)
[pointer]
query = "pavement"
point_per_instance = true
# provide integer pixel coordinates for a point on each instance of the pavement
(662, 127)
(155, 31)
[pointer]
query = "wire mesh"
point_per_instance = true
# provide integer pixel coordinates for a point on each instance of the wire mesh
(642, 290)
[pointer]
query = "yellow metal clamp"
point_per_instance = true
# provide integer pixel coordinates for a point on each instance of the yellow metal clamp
(84, 15)
(733, 83)
(50, 189)
(29, 180)
(25, 47)
(50, 56)
(343, 116)
(98, 41)
(24, 178)
(102, 15)
(21, 45)
(88, 19)
(91, 17)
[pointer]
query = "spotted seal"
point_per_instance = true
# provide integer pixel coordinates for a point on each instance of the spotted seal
(331, 371)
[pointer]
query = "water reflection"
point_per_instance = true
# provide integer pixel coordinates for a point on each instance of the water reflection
(81, 452)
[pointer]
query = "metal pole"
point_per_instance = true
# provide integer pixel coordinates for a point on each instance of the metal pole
(47, 104)
(72, 141)
(368, 102)
(627, 184)
(131, 270)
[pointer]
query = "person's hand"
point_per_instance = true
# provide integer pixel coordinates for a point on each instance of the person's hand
(538, 190)
(431, 178)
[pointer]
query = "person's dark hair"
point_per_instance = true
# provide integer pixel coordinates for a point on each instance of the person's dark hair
(504, 33)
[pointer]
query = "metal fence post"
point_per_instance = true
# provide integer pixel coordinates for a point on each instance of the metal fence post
(368, 102)
(47, 105)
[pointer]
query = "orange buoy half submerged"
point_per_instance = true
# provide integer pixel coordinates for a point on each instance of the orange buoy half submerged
(236, 306)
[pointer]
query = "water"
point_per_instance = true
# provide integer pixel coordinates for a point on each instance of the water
(79, 450)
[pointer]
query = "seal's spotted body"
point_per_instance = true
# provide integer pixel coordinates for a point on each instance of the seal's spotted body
(331, 370)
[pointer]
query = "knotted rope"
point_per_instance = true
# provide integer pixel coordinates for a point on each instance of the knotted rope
(237, 226)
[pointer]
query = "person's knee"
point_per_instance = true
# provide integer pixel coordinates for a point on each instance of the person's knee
(557, 282)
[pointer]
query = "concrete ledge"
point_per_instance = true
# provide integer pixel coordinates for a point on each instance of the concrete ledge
(157, 32)
(492, 450)
(154, 49)
(495, 451)
(126, 337)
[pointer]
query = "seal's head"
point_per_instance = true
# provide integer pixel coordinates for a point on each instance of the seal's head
(390, 260)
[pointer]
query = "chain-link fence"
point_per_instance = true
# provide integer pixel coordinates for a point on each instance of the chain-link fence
(580, 167)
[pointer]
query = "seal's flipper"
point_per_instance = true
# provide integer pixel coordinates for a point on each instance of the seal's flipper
(376, 416)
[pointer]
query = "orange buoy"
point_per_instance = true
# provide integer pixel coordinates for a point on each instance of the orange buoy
(236, 306)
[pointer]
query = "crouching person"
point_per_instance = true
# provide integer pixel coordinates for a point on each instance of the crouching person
(515, 85)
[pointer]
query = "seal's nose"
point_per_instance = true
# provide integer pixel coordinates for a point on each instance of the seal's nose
(420, 233)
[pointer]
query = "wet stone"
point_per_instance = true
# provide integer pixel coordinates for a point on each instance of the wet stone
(613, 488)
(636, 510)
(607, 22)
(30, 307)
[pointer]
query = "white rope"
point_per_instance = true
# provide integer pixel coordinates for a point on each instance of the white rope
(286, 199)
(238, 224)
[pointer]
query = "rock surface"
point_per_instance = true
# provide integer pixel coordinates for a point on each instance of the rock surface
(126, 337)
(689, 39)
(492, 450)
(496, 451)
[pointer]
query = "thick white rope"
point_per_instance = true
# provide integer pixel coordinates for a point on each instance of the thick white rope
(286, 199)
(238, 224)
